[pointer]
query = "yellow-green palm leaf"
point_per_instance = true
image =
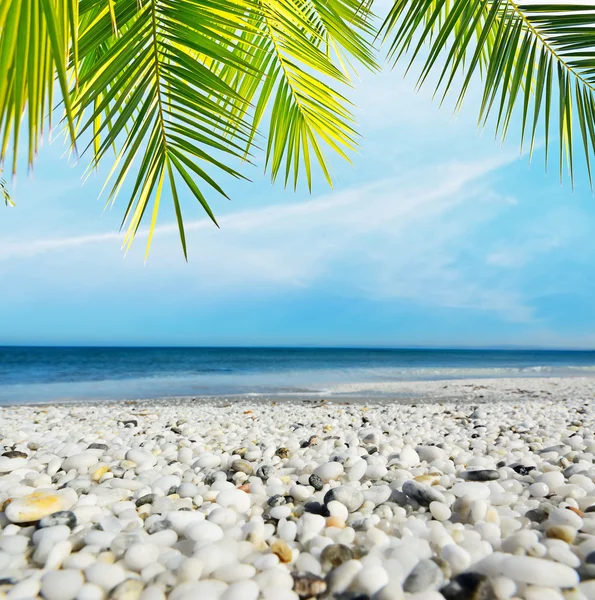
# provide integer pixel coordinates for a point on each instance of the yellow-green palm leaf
(178, 88)
(539, 57)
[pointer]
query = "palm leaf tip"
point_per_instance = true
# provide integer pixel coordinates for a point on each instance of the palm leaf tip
(8, 201)
(182, 89)
(522, 53)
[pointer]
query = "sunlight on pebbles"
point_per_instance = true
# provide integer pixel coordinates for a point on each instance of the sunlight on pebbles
(287, 501)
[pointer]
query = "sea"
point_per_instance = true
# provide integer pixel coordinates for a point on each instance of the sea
(46, 374)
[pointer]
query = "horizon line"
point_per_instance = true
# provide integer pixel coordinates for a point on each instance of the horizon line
(403, 348)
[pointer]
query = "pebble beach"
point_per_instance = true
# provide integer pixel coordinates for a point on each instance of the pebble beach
(472, 490)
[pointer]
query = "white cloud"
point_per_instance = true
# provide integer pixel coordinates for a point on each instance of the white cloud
(397, 238)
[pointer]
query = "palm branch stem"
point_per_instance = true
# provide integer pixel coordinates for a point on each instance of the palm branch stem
(546, 44)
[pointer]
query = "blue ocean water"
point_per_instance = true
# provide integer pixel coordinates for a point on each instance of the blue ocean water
(64, 374)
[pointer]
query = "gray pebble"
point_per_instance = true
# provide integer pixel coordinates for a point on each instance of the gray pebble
(97, 446)
(335, 555)
(276, 500)
(242, 465)
(62, 517)
(265, 472)
(426, 575)
(423, 494)
(159, 526)
(146, 499)
(350, 497)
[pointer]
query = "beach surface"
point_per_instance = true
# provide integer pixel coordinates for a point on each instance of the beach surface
(437, 490)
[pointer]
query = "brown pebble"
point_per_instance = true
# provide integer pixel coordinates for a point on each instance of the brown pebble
(561, 532)
(282, 550)
(245, 488)
(579, 512)
(308, 585)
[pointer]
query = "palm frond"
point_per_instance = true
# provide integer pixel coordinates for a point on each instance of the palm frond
(36, 41)
(177, 88)
(5, 194)
(155, 102)
(521, 52)
(302, 53)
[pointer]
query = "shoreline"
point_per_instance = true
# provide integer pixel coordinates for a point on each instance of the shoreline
(477, 390)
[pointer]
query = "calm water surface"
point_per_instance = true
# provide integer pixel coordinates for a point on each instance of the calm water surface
(51, 374)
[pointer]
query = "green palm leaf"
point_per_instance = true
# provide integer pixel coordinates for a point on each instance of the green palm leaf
(520, 52)
(36, 40)
(177, 88)
(5, 194)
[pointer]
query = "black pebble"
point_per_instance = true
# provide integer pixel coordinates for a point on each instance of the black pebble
(469, 586)
(315, 482)
(97, 446)
(14, 454)
(521, 469)
(146, 499)
(316, 509)
(482, 475)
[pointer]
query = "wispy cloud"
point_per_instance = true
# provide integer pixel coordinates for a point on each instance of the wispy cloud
(396, 238)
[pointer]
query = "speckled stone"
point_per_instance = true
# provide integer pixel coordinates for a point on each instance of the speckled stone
(265, 472)
(62, 517)
(316, 482)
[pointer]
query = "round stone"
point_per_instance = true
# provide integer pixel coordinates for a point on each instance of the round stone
(204, 532)
(140, 555)
(349, 496)
(335, 555)
(131, 589)
(242, 466)
(440, 511)
(329, 471)
(426, 575)
(358, 470)
(473, 490)
(105, 575)
(61, 585)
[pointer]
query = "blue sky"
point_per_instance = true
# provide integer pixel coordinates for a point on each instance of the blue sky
(435, 236)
